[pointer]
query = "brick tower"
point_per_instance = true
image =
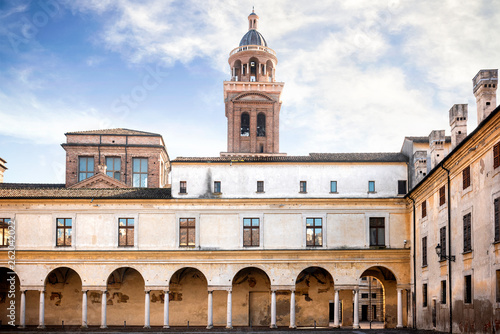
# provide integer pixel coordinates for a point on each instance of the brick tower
(252, 97)
(484, 89)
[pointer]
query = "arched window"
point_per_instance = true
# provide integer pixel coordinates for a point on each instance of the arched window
(245, 124)
(261, 125)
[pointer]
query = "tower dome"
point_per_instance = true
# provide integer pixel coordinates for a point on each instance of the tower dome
(253, 37)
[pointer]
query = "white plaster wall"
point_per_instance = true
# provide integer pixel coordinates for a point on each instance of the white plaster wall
(283, 231)
(239, 180)
(219, 231)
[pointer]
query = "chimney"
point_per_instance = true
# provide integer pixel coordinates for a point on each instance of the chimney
(484, 87)
(458, 123)
(3, 168)
(419, 166)
(436, 143)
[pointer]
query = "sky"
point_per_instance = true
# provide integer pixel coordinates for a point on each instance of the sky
(359, 75)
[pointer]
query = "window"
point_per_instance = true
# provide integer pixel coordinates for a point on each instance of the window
(113, 167)
(498, 286)
(374, 295)
(85, 168)
(245, 125)
(333, 186)
(183, 187)
(442, 241)
(261, 125)
(314, 232)
(140, 172)
(401, 187)
(4, 232)
(424, 252)
(217, 188)
(442, 197)
(443, 292)
(364, 295)
(468, 289)
(496, 155)
(377, 231)
(496, 209)
(260, 186)
(371, 186)
(303, 186)
(187, 228)
(126, 232)
(424, 209)
(424, 295)
(63, 232)
(251, 232)
(467, 233)
(466, 177)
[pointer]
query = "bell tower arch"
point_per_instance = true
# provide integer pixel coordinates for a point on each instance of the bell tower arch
(253, 96)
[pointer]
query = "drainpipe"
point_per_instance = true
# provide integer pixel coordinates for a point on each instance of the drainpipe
(449, 248)
(414, 301)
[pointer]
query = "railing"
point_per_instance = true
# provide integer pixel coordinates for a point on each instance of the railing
(252, 47)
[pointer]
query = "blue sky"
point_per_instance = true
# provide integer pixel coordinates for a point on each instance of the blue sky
(359, 75)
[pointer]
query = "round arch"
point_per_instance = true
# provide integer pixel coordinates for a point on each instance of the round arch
(125, 296)
(188, 297)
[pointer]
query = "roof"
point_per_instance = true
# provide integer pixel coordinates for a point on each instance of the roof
(117, 131)
(58, 191)
(425, 139)
(253, 37)
(312, 157)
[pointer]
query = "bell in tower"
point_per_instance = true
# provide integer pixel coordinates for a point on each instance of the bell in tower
(252, 97)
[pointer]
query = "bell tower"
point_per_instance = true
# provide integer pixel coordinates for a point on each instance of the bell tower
(252, 97)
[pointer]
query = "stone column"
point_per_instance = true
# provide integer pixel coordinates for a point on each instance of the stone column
(104, 301)
(41, 314)
(210, 321)
(265, 72)
(229, 321)
(23, 309)
(292, 309)
(273, 309)
(336, 310)
(146, 309)
(166, 300)
(400, 309)
(84, 308)
(355, 324)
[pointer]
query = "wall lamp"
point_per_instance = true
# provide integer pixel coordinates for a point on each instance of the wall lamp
(443, 257)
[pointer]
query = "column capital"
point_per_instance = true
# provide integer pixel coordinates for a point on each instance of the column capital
(147, 291)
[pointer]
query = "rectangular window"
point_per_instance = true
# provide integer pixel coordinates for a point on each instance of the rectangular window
(468, 289)
(424, 209)
(442, 196)
(303, 186)
(401, 187)
(466, 177)
(260, 186)
(251, 232)
(183, 187)
(63, 232)
(467, 233)
(498, 286)
(113, 167)
(443, 292)
(217, 187)
(374, 295)
(377, 231)
(496, 209)
(140, 172)
(85, 168)
(424, 295)
(333, 186)
(4, 232)
(496, 155)
(371, 186)
(364, 295)
(126, 232)
(424, 252)
(442, 241)
(314, 232)
(187, 229)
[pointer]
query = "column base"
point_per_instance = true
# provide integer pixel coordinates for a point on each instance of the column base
(146, 327)
(22, 326)
(355, 327)
(84, 326)
(229, 327)
(104, 326)
(335, 326)
(166, 326)
(292, 327)
(41, 326)
(273, 326)
(399, 326)
(210, 327)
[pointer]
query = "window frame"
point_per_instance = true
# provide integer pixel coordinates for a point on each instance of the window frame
(333, 187)
(4, 234)
(424, 251)
(64, 228)
(466, 180)
(88, 174)
(261, 128)
(260, 187)
(140, 172)
(377, 229)
(127, 228)
(114, 171)
(182, 187)
(442, 295)
(468, 289)
(425, 294)
(402, 184)
(467, 232)
(217, 187)
(442, 242)
(245, 132)
(496, 155)
(303, 187)
(496, 220)
(424, 209)
(370, 190)
(314, 229)
(188, 228)
(251, 228)
(442, 196)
